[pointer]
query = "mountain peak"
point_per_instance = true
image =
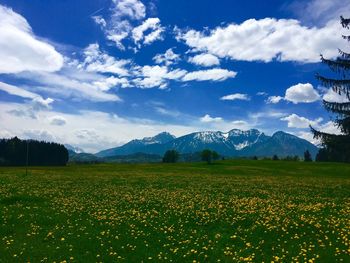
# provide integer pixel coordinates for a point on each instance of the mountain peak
(282, 134)
(162, 137)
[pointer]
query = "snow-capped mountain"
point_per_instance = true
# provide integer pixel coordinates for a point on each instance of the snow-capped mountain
(72, 148)
(140, 146)
(233, 143)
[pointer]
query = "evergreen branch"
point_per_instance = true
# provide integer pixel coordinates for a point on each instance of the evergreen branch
(340, 86)
(344, 125)
(337, 107)
(338, 65)
(330, 140)
(345, 22)
(343, 54)
(346, 37)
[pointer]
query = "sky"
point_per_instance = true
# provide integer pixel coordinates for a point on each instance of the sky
(97, 73)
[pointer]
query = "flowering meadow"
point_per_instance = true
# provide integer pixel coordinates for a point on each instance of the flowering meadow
(230, 211)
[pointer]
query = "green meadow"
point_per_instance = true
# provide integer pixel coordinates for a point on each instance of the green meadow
(230, 211)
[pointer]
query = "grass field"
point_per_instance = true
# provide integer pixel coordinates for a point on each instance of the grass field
(232, 211)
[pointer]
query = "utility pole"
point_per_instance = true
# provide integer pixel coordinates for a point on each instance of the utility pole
(27, 161)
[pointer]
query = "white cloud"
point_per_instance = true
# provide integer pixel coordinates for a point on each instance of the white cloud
(133, 9)
(117, 31)
(124, 23)
(156, 76)
(296, 121)
(236, 96)
(100, 21)
(168, 58)
(274, 99)
(57, 120)
(328, 127)
(105, 131)
(302, 93)
(268, 39)
(215, 74)
(206, 60)
(40, 135)
(320, 11)
(332, 96)
(262, 93)
(240, 124)
(14, 90)
(163, 111)
(151, 24)
(119, 25)
(106, 84)
(208, 118)
(74, 84)
(36, 103)
(299, 93)
(98, 61)
(20, 50)
(39, 103)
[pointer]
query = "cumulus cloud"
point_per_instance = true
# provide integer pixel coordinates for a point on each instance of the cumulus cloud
(215, 74)
(274, 99)
(124, 22)
(208, 118)
(39, 103)
(156, 76)
(118, 25)
(268, 39)
(299, 93)
(205, 60)
(304, 93)
(133, 9)
(236, 96)
(151, 24)
(296, 121)
(20, 50)
(97, 61)
(168, 58)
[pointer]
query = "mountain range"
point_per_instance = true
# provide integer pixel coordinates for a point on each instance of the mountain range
(235, 143)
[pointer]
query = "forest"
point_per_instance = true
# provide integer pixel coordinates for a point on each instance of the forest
(16, 152)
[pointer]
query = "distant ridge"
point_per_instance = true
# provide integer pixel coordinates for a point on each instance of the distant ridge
(235, 143)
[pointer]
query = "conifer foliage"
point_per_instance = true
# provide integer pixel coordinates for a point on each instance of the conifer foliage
(337, 147)
(14, 152)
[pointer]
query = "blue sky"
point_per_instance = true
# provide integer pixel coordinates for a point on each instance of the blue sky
(97, 73)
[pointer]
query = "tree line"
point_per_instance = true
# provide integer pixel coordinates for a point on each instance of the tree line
(16, 152)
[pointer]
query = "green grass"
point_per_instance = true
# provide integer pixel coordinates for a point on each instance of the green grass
(231, 211)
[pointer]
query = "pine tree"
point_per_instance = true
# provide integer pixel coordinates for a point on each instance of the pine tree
(337, 147)
(171, 156)
(307, 156)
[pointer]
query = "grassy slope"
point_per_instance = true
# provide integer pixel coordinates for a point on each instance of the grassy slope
(233, 211)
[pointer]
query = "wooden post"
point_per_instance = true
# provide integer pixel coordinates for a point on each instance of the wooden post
(27, 161)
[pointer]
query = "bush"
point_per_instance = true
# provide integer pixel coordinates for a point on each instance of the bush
(209, 156)
(171, 156)
(307, 156)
